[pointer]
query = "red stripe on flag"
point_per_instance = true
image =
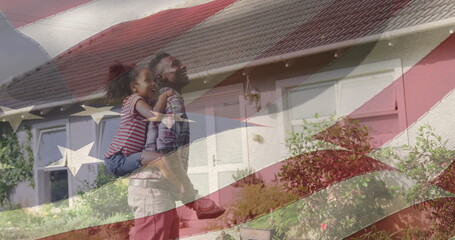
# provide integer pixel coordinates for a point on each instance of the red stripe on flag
(446, 180)
(425, 84)
(323, 28)
(84, 66)
(406, 218)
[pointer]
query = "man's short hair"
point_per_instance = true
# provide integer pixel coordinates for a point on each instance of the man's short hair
(153, 64)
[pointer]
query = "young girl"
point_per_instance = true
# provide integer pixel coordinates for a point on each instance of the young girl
(135, 86)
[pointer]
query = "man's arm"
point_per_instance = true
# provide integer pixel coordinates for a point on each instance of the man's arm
(168, 136)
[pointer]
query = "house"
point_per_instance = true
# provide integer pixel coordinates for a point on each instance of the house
(257, 68)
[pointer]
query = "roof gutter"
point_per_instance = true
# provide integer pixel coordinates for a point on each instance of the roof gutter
(450, 22)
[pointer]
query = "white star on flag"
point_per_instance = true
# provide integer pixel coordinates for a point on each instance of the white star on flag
(96, 113)
(168, 119)
(74, 159)
(16, 116)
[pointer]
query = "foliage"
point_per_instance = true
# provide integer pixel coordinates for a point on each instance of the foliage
(426, 159)
(422, 162)
(319, 155)
(324, 153)
(343, 208)
(108, 197)
(245, 176)
(16, 163)
(282, 220)
(272, 197)
(105, 204)
(405, 234)
(303, 141)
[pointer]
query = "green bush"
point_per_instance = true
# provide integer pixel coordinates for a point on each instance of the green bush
(271, 197)
(329, 155)
(106, 203)
(427, 158)
(245, 177)
(16, 163)
(108, 197)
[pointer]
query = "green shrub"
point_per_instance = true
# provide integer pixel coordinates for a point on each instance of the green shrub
(108, 197)
(330, 155)
(105, 204)
(427, 158)
(16, 163)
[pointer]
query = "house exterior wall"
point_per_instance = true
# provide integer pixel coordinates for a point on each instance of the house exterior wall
(406, 52)
(80, 131)
(265, 142)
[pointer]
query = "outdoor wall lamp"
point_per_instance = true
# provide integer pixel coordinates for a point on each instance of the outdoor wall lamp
(252, 94)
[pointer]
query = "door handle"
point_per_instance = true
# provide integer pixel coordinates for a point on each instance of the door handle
(214, 160)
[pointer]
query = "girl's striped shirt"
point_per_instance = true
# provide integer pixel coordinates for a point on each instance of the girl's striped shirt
(130, 137)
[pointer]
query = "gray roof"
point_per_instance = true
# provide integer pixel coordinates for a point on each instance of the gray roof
(217, 34)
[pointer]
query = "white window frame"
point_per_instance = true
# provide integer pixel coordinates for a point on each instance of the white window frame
(38, 129)
(100, 135)
(337, 76)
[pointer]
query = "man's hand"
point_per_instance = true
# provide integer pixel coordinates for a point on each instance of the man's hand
(168, 93)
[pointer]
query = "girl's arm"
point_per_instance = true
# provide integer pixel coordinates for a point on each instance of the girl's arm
(144, 109)
(147, 111)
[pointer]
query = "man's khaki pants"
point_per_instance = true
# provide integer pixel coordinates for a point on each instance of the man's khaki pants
(154, 213)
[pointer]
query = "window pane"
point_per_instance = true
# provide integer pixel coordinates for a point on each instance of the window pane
(200, 182)
(228, 133)
(357, 91)
(59, 185)
(48, 149)
(225, 178)
(198, 124)
(109, 128)
(198, 133)
(306, 101)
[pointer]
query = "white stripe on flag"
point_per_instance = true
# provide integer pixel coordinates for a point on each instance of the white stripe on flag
(62, 31)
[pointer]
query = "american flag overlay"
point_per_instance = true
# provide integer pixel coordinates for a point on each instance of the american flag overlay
(328, 119)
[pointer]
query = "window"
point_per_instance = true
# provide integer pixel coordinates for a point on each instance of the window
(59, 185)
(53, 182)
(108, 129)
(48, 146)
(306, 101)
(344, 92)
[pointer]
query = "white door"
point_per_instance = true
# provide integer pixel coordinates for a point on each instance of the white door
(218, 138)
